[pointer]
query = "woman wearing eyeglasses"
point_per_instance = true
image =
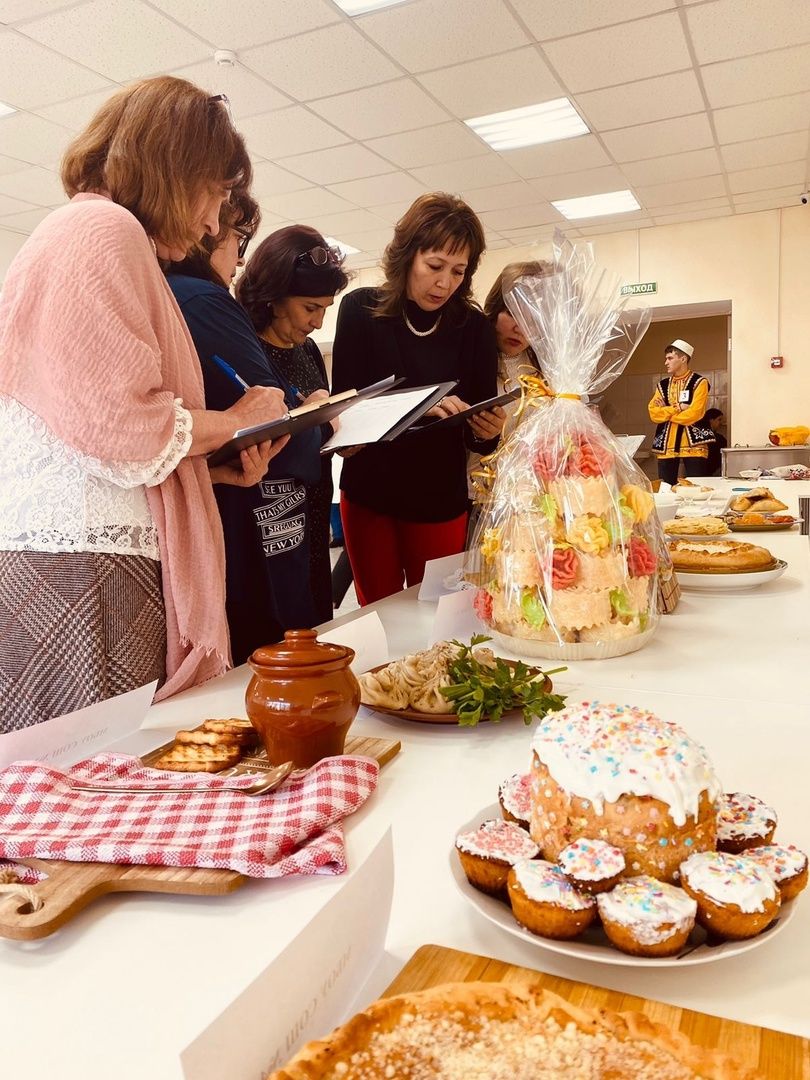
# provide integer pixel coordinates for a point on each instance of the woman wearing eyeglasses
(405, 502)
(288, 284)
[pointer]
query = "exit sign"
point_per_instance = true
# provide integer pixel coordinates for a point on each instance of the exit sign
(641, 288)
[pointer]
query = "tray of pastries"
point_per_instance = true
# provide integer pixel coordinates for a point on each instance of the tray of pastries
(720, 563)
(759, 499)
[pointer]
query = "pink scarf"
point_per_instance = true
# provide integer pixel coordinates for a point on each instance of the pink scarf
(92, 341)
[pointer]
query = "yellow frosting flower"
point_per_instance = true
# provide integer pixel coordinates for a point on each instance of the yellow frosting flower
(490, 543)
(638, 500)
(587, 533)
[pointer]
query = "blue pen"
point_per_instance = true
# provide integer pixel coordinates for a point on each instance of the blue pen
(229, 371)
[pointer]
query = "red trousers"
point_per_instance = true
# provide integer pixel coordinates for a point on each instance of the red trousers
(386, 552)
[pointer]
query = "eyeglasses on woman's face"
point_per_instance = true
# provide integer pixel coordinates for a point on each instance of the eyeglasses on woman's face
(320, 256)
(244, 239)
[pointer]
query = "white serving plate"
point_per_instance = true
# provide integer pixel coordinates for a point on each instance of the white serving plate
(729, 582)
(593, 944)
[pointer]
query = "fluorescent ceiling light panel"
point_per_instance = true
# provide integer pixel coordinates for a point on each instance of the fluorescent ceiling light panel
(549, 121)
(363, 7)
(344, 249)
(6, 110)
(611, 202)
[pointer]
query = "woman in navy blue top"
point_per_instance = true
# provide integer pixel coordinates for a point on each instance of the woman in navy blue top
(266, 527)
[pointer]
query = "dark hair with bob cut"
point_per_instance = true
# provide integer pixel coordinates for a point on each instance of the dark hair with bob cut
(241, 212)
(435, 222)
(155, 147)
(713, 414)
(277, 268)
(495, 302)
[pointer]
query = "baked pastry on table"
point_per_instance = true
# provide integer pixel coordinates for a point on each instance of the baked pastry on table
(646, 917)
(546, 903)
(760, 499)
(743, 822)
(460, 1031)
(721, 556)
(487, 853)
(785, 864)
(736, 898)
(696, 526)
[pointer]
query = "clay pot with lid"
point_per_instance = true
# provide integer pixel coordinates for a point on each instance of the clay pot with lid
(302, 698)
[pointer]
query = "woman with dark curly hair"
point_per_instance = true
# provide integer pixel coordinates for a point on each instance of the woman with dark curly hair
(405, 502)
(288, 284)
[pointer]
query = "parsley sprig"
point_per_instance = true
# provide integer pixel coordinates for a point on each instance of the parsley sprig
(479, 690)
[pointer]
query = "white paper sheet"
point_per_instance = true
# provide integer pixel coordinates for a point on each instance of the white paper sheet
(455, 618)
(442, 576)
(366, 636)
(630, 443)
(368, 421)
(77, 735)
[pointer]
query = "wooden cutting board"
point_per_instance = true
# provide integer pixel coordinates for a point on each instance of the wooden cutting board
(71, 886)
(773, 1054)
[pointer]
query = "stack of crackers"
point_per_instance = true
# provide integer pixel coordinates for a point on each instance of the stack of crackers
(215, 745)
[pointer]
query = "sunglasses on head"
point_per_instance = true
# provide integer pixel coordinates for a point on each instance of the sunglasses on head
(226, 101)
(320, 256)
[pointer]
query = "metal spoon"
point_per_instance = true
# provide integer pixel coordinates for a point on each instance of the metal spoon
(269, 781)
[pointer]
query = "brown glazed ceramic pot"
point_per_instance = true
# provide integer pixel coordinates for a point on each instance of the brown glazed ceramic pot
(302, 698)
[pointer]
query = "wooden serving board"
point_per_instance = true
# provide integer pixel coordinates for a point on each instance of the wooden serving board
(71, 886)
(773, 1054)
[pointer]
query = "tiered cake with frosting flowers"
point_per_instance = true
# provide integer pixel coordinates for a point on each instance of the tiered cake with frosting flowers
(567, 546)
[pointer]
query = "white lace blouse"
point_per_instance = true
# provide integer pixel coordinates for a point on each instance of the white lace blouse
(54, 498)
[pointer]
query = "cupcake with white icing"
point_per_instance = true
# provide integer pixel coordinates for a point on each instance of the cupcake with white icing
(743, 822)
(646, 917)
(487, 853)
(592, 865)
(545, 902)
(736, 897)
(620, 774)
(785, 864)
(515, 797)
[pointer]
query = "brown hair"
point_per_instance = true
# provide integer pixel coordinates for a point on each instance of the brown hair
(155, 147)
(434, 222)
(495, 302)
(240, 212)
(276, 270)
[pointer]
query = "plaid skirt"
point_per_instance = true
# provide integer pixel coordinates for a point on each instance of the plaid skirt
(76, 628)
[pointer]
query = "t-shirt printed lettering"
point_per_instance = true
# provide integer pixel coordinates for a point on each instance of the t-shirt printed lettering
(280, 529)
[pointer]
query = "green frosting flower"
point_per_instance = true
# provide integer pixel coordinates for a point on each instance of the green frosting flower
(532, 608)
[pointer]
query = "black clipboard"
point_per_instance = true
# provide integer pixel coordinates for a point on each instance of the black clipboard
(441, 390)
(297, 420)
(459, 418)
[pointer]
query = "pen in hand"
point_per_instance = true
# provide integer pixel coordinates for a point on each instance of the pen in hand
(229, 371)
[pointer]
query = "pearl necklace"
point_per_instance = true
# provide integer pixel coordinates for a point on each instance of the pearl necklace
(421, 333)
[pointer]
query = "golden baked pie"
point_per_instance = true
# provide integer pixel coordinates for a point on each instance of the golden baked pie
(761, 499)
(472, 1031)
(696, 526)
(723, 556)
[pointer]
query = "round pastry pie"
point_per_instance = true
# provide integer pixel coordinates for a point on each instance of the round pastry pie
(545, 902)
(646, 917)
(786, 865)
(718, 556)
(622, 775)
(736, 897)
(516, 800)
(743, 822)
(592, 865)
(487, 853)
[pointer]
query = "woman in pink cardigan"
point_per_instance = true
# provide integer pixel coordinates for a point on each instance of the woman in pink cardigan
(111, 551)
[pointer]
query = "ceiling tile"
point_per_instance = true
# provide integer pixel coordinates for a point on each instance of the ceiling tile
(77, 113)
(377, 190)
(769, 176)
(390, 213)
(681, 191)
(573, 185)
(618, 54)
(734, 82)
(9, 205)
(290, 131)
(682, 166)
(247, 93)
(301, 205)
(479, 88)
(443, 142)
(12, 11)
(756, 152)
(341, 224)
(269, 180)
(690, 215)
(521, 217)
(373, 240)
(597, 227)
(567, 155)
(269, 223)
(94, 33)
(675, 136)
(721, 202)
(675, 94)
(728, 28)
(550, 19)
(381, 110)
(38, 186)
(11, 165)
(771, 202)
(31, 75)
(430, 34)
(26, 222)
(33, 140)
(785, 193)
(465, 175)
(249, 22)
(338, 163)
(326, 61)
(500, 196)
(762, 118)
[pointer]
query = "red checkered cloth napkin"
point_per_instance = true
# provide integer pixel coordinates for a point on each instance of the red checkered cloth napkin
(293, 830)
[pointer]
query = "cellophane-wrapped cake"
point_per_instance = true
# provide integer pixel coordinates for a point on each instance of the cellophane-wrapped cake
(567, 545)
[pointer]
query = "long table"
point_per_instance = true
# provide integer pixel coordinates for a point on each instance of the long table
(731, 668)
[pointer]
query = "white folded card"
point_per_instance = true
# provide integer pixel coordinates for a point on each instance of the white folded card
(443, 576)
(382, 418)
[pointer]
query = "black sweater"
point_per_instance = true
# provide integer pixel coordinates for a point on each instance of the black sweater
(418, 476)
